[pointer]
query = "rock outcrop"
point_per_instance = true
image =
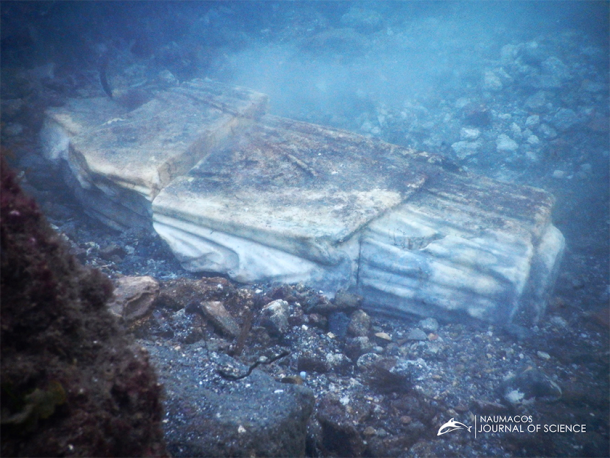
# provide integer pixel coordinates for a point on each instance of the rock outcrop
(72, 383)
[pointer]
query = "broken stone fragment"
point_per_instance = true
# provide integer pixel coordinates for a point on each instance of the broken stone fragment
(339, 435)
(220, 318)
(505, 144)
(275, 317)
(134, 297)
(358, 346)
(347, 301)
(112, 252)
(528, 386)
(338, 362)
(310, 361)
(385, 375)
(359, 324)
(429, 325)
(417, 334)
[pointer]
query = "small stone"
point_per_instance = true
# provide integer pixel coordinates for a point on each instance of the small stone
(477, 115)
(558, 174)
(461, 408)
(514, 396)
(505, 144)
(556, 68)
(488, 407)
(405, 419)
(464, 149)
(335, 424)
(381, 432)
(558, 321)
(367, 361)
(369, 431)
(543, 355)
(461, 102)
(469, 133)
(532, 121)
(112, 250)
(547, 131)
(515, 130)
(360, 323)
(338, 362)
(338, 323)
(415, 369)
(530, 385)
(347, 301)
(429, 325)
(167, 77)
(508, 53)
(586, 168)
(220, 318)
(275, 317)
(416, 334)
(320, 321)
(313, 362)
(292, 379)
(383, 336)
(366, 126)
(383, 374)
(565, 119)
(134, 297)
(537, 102)
(491, 81)
(533, 140)
(358, 346)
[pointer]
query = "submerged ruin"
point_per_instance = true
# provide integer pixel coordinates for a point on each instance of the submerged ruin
(260, 198)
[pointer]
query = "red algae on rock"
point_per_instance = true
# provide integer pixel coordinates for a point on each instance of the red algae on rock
(72, 383)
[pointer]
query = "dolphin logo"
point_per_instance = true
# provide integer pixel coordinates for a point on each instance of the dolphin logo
(452, 425)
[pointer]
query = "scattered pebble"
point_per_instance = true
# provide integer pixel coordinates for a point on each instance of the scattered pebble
(505, 144)
(543, 355)
(429, 325)
(417, 334)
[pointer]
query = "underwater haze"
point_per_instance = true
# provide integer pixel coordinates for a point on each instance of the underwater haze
(393, 53)
(515, 91)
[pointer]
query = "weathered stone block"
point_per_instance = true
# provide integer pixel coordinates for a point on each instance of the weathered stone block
(266, 199)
